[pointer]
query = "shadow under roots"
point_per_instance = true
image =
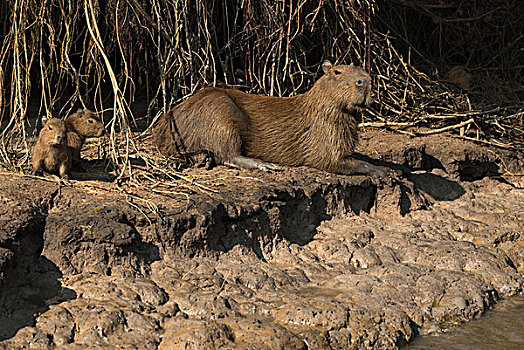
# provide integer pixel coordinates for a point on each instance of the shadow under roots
(94, 170)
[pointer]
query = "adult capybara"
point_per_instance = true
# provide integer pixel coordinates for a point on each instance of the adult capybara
(317, 128)
(81, 125)
(51, 152)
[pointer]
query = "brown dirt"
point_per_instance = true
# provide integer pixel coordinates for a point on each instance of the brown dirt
(284, 260)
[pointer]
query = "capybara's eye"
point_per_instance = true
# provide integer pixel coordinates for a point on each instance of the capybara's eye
(359, 82)
(90, 121)
(337, 72)
(50, 127)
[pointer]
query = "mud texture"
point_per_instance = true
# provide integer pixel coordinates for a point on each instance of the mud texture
(299, 259)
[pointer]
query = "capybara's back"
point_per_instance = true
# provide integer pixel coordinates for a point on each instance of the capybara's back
(51, 152)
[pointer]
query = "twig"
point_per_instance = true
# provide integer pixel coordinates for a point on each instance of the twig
(496, 144)
(385, 124)
(56, 180)
(446, 128)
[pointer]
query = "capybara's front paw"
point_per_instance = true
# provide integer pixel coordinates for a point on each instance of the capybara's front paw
(385, 176)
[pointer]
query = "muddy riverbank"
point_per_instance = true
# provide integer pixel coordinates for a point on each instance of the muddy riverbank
(298, 259)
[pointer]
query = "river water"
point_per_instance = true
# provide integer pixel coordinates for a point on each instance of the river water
(501, 328)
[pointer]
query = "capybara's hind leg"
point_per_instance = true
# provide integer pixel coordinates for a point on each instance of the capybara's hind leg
(223, 130)
(223, 133)
(251, 163)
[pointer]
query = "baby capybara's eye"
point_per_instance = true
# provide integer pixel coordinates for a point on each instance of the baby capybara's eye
(359, 82)
(50, 127)
(90, 121)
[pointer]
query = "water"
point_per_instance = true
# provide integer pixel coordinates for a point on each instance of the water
(500, 328)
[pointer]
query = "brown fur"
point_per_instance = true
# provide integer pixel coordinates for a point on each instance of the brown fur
(317, 128)
(51, 152)
(81, 125)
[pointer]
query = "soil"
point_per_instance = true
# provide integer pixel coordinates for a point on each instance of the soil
(297, 259)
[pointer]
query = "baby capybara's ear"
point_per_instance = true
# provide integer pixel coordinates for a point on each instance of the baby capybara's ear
(45, 118)
(327, 66)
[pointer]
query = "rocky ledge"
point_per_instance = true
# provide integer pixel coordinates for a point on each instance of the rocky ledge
(299, 259)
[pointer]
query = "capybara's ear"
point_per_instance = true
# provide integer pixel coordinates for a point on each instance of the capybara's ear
(45, 118)
(327, 66)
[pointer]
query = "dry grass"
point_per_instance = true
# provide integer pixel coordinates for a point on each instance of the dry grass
(130, 60)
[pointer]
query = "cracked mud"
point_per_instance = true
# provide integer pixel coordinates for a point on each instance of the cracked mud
(299, 259)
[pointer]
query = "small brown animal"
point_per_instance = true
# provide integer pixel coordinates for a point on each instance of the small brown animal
(317, 128)
(81, 125)
(51, 152)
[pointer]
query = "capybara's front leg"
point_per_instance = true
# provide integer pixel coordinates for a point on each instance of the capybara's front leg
(38, 167)
(379, 174)
(64, 171)
(251, 163)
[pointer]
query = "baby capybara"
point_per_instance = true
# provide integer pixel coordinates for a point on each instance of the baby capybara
(317, 128)
(81, 125)
(51, 153)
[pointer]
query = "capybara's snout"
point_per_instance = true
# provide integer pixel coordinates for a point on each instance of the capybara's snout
(60, 139)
